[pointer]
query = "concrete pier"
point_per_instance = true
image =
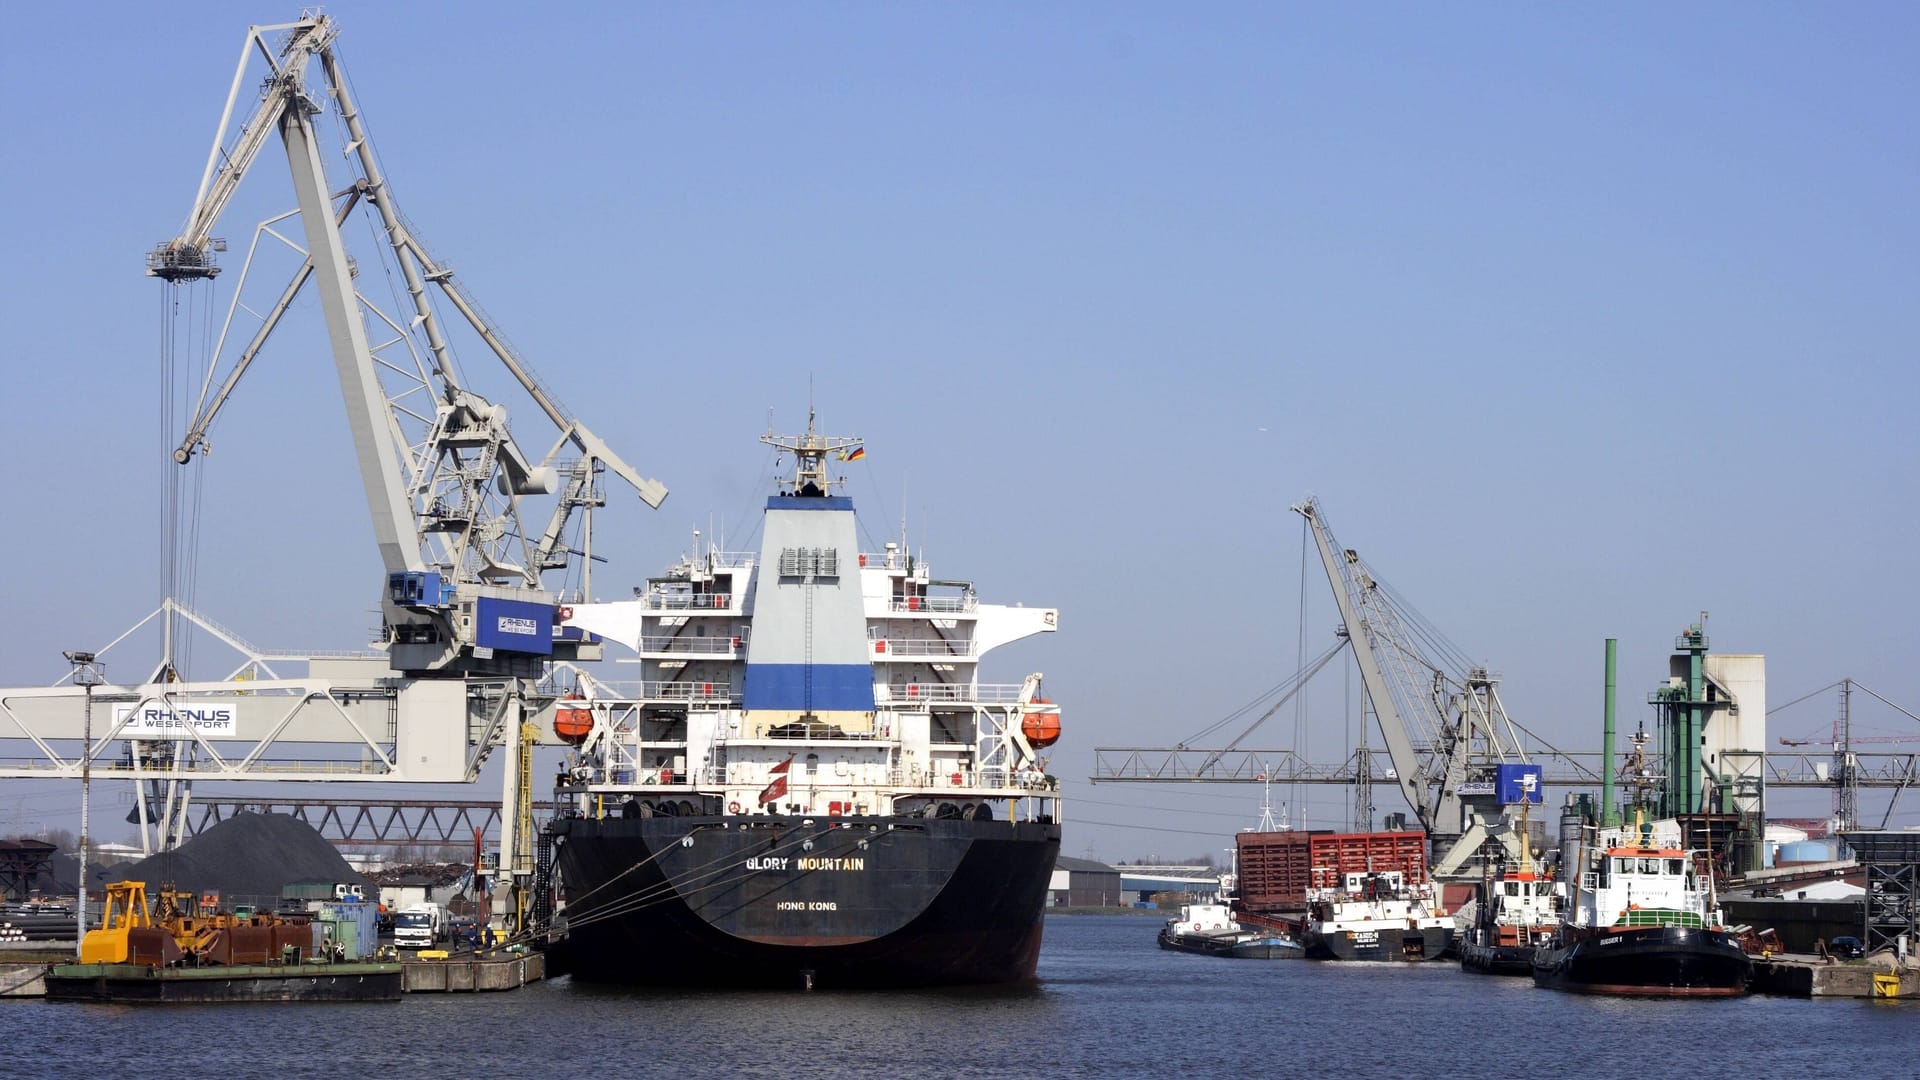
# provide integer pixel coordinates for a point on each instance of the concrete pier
(1800, 975)
(504, 971)
(24, 963)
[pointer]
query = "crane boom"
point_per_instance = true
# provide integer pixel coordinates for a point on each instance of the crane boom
(188, 255)
(1409, 771)
(366, 400)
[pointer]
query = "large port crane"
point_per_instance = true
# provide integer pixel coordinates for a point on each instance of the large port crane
(1445, 728)
(444, 478)
(1464, 727)
(470, 633)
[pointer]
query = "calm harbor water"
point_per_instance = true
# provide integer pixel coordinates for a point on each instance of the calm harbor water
(1108, 1004)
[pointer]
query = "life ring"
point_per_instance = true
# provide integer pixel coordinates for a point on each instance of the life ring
(733, 807)
(565, 613)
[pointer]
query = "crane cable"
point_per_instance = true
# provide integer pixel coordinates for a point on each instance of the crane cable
(678, 886)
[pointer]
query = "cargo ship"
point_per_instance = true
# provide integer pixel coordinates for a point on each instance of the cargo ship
(1355, 896)
(1642, 921)
(1211, 930)
(809, 786)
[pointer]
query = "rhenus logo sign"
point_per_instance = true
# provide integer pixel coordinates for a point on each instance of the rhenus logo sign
(159, 720)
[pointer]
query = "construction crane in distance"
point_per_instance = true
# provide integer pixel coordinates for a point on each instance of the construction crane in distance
(1846, 768)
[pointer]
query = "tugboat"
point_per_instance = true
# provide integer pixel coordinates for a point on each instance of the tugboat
(810, 787)
(1210, 930)
(1519, 911)
(1377, 916)
(1643, 921)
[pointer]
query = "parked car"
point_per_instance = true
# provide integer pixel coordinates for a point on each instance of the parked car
(1847, 948)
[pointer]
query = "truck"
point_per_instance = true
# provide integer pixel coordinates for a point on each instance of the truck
(419, 926)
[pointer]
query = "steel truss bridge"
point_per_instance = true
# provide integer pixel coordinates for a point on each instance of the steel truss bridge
(354, 823)
(1557, 768)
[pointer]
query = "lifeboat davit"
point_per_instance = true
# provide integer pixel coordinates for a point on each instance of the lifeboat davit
(572, 719)
(1041, 726)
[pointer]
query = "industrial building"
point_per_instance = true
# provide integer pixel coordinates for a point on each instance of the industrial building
(1083, 883)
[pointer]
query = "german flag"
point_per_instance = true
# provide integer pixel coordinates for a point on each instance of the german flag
(853, 453)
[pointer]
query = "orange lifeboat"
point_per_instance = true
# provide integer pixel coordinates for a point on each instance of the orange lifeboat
(572, 720)
(1041, 726)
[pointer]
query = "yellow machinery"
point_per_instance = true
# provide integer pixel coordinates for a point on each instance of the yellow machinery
(194, 928)
(126, 911)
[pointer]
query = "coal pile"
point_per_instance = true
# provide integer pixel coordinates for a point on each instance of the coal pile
(248, 858)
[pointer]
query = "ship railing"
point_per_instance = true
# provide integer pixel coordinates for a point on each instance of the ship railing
(916, 604)
(730, 559)
(994, 778)
(690, 601)
(922, 647)
(692, 646)
(984, 693)
(683, 690)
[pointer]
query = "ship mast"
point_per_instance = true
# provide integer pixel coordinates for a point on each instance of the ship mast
(810, 454)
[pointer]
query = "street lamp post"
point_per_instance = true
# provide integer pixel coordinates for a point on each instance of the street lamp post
(87, 672)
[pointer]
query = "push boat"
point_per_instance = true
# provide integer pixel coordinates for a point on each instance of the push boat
(1518, 911)
(1210, 930)
(1643, 921)
(810, 787)
(182, 952)
(1376, 916)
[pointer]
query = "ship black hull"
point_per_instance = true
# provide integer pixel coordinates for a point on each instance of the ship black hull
(1652, 961)
(794, 903)
(1496, 959)
(1385, 945)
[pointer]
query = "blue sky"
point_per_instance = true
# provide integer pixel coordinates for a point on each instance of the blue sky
(1578, 322)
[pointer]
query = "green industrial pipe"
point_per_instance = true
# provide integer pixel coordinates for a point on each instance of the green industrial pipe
(1607, 814)
(1696, 717)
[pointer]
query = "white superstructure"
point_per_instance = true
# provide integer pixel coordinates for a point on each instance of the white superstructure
(811, 677)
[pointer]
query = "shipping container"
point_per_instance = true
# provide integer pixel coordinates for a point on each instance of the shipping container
(353, 926)
(1278, 868)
